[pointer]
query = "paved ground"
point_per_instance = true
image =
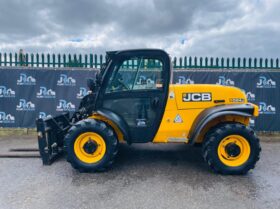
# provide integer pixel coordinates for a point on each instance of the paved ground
(144, 176)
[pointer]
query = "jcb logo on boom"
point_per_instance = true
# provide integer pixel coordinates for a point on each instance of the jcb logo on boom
(197, 97)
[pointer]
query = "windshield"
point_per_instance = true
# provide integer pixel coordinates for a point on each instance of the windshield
(136, 73)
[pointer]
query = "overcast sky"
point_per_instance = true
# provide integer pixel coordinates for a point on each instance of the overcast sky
(182, 27)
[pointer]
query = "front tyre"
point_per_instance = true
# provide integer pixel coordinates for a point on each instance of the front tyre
(91, 145)
(231, 149)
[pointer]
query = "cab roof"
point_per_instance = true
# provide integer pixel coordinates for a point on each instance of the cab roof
(112, 53)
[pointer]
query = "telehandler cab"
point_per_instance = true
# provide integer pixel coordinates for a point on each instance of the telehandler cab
(132, 100)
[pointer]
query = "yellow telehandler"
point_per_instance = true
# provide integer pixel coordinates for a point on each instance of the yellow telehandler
(132, 100)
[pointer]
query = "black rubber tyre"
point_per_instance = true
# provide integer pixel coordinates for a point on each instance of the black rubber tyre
(216, 135)
(99, 127)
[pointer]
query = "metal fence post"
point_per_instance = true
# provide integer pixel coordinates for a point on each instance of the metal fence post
(26, 60)
(255, 62)
(32, 59)
(37, 60)
(211, 62)
(64, 60)
(91, 60)
(53, 60)
(48, 60)
(69, 64)
(228, 61)
(250, 62)
(195, 62)
(86, 61)
(190, 61)
(101, 60)
(43, 60)
(233, 63)
(11, 59)
(95, 60)
(58, 60)
(174, 62)
(80, 61)
(261, 62)
(244, 62)
(75, 64)
(266, 63)
(180, 62)
(5, 59)
(200, 62)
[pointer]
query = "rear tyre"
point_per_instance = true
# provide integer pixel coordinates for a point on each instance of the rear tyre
(91, 145)
(231, 149)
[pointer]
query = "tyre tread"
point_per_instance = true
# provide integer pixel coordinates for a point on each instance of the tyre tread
(98, 126)
(208, 147)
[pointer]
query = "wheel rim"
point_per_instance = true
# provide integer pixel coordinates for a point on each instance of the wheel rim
(234, 150)
(89, 147)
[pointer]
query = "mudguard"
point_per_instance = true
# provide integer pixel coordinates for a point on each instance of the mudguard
(116, 119)
(246, 110)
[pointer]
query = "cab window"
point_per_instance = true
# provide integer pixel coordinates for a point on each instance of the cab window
(136, 74)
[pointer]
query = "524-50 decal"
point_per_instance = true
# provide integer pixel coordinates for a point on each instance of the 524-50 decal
(197, 97)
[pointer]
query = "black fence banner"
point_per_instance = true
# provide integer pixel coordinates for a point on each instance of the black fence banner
(262, 87)
(30, 93)
(27, 94)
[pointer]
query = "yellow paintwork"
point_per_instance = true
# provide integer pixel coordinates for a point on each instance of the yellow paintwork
(80, 152)
(256, 110)
(239, 160)
(170, 131)
(109, 122)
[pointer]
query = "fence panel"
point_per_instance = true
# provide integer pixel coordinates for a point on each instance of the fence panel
(95, 61)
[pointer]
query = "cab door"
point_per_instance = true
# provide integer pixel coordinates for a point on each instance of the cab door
(136, 88)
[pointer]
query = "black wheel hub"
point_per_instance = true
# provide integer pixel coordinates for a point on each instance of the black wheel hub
(90, 147)
(232, 149)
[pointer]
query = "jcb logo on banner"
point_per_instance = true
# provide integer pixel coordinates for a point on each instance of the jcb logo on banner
(45, 93)
(65, 106)
(24, 79)
(83, 92)
(6, 92)
(264, 82)
(184, 80)
(26, 106)
(64, 80)
(6, 118)
(225, 82)
(266, 109)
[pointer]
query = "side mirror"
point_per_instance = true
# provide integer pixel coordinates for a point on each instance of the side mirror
(90, 84)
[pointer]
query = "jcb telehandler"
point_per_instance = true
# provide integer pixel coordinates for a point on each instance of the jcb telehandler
(132, 100)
